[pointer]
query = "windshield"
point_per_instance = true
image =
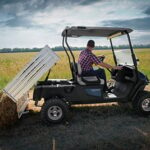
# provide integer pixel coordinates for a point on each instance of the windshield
(123, 57)
(122, 51)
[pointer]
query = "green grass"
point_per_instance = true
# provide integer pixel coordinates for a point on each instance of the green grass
(144, 63)
(11, 64)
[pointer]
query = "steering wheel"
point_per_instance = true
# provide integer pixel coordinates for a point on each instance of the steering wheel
(118, 75)
(113, 72)
(101, 58)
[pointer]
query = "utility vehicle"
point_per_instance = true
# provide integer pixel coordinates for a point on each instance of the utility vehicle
(127, 86)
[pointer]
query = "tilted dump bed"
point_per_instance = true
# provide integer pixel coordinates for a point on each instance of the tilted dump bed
(17, 89)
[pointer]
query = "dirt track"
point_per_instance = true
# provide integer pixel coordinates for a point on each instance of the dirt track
(96, 128)
(101, 128)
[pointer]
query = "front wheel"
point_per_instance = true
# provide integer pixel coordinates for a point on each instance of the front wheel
(54, 111)
(142, 103)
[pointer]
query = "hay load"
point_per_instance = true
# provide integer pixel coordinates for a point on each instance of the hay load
(8, 111)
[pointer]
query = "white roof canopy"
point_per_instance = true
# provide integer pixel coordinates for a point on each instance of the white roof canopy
(77, 31)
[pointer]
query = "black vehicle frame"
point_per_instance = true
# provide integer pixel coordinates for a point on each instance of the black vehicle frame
(128, 84)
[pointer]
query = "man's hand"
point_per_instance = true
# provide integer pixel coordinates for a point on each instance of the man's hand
(101, 57)
(117, 67)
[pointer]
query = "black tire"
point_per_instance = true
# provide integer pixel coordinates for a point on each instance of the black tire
(139, 103)
(54, 111)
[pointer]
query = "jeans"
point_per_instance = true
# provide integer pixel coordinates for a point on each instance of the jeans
(100, 73)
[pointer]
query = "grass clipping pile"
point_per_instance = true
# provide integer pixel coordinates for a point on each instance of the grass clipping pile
(8, 111)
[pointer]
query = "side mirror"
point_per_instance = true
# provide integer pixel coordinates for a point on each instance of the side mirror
(137, 60)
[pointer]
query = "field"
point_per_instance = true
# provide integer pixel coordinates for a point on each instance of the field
(101, 127)
(10, 64)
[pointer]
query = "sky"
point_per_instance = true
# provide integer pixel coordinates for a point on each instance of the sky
(35, 23)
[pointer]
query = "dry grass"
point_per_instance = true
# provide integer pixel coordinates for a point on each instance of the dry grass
(12, 63)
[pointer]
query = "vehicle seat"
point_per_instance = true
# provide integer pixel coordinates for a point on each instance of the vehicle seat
(86, 80)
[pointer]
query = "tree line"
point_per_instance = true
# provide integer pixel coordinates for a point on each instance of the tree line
(60, 48)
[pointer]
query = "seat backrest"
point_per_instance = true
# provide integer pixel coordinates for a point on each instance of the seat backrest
(79, 69)
(83, 80)
(74, 70)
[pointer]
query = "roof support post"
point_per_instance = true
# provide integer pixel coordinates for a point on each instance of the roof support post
(63, 44)
(114, 56)
(132, 52)
(73, 58)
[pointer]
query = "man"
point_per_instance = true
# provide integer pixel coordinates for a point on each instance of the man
(87, 59)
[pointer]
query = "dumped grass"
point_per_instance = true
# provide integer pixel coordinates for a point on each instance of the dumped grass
(1, 95)
(8, 111)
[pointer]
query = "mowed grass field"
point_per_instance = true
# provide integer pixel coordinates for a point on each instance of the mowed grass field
(12, 63)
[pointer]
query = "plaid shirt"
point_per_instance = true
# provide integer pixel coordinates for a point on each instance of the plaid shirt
(87, 59)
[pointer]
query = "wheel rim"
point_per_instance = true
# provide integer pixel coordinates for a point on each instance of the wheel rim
(146, 104)
(55, 112)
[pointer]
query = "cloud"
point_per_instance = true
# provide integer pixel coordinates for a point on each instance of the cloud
(43, 3)
(19, 12)
(38, 5)
(18, 22)
(23, 18)
(138, 24)
(88, 2)
(29, 37)
(140, 37)
(147, 11)
(33, 13)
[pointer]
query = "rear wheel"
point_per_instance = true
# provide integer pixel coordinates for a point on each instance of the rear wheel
(54, 111)
(142, 103)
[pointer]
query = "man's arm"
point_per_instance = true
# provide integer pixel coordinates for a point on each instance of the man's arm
(105, 65)
(97, 61)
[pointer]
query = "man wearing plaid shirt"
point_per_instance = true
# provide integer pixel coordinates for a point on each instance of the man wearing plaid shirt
(87, 59)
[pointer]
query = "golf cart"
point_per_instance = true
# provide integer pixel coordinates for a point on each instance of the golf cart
(128, 85)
